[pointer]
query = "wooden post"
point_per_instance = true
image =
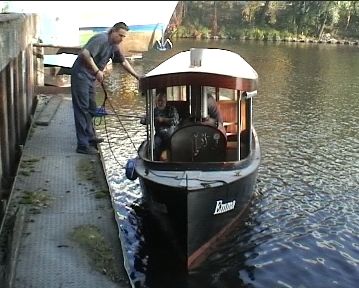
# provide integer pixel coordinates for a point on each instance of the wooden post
(11, 116)
(4, 132)
(22, 97)
(39, 66)
(29, 76)
(16, 96)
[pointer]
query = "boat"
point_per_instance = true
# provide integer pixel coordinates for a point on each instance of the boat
(202, 188)
(69, 24)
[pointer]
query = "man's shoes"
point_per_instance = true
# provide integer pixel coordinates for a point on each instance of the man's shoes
(96, 140)
(87, 150)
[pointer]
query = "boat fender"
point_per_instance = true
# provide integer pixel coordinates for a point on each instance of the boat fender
(131, 173)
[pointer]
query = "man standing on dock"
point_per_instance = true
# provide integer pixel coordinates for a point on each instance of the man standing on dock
(88, 68)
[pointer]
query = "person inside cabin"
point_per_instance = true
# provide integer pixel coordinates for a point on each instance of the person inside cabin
(87, 69)
(166, 119)
(214, 114)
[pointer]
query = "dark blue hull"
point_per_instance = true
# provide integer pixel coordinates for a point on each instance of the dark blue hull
(195, 220)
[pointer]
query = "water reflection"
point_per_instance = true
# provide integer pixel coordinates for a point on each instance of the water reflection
(302, 228)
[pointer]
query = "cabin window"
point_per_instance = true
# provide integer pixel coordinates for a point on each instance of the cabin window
(236, 113)
(227, 94)
(244, 114)
(177, 97)
(221, 93)
(176, 93)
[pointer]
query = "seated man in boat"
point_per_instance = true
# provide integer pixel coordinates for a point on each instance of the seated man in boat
(215, 117)
(166, 120)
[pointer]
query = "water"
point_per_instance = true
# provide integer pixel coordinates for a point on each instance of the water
(302, 227)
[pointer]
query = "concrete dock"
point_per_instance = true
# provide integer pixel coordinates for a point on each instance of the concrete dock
(60, 225)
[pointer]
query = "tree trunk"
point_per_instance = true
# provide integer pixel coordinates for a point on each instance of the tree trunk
(178, 15)
(264, 13)
(215, 21)
(322, 26)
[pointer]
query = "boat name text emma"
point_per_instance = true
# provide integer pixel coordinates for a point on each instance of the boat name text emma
(221, 208)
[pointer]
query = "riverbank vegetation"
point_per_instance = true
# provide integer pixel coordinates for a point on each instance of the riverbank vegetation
(266, 20)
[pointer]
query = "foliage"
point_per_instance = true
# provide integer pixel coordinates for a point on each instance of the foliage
(85, 36)
(4, 6)
(268, 19)
(89, 237)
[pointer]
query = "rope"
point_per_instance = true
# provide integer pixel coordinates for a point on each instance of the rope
(96, 123)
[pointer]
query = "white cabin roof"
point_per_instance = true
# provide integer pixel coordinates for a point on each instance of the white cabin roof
(215, 61)
(205, 67)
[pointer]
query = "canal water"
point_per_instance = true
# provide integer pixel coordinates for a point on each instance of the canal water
(302, 227)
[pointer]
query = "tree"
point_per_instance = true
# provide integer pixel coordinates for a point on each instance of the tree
(264, 13)
(4, 5)
(215, 22)
(303, 18)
